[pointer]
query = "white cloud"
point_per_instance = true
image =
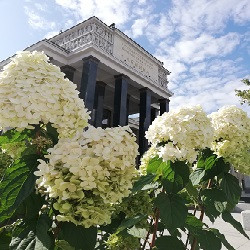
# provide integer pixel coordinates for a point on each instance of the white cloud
(51, 34)
(115, 11)
(212, 98)
(38, 22)
(138, 27)
(202, 47)
(193, 17)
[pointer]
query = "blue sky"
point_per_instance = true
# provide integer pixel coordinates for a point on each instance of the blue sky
(204, 43)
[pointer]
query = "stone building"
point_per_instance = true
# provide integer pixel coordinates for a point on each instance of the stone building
(116, 77)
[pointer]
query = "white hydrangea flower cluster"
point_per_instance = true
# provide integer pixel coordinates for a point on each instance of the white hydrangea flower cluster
(32, 90)
(232, 137)
(179, 134)
(89, 173)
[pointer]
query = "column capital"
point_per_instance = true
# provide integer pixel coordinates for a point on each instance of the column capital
(144, 90)
(68, 68)
(121, 76)
(91, 58)
(164, 105)
(101, 83)
(164, 100)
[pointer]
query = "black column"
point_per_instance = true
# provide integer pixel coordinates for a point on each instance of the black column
(98, 105)
(145, 118)
(120, 101)
(88, 81)
(164, 106)
(69, 72)
(154, 113)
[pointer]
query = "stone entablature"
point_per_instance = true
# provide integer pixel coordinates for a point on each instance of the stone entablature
(86, 33)
(115, 44)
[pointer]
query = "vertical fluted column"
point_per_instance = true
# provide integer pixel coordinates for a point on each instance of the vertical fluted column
(120, 101)
(154, 113)
(88, 82)
(164, 105)
(145, 118)
(99, 99)
(69, 72)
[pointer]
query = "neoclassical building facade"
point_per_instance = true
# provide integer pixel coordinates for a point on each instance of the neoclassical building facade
(116, 77)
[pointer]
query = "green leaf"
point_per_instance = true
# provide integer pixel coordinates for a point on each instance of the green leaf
(154, 165)
(197, 175)
(169, 242)
(211, 164)
(142, 182)
(5, 239)
(115, 223)
(129, 222)
(78, 236)
(215, 202)
(193, 224)
(173, 211)
(222, 238)
(33, 235)
(192, 191)
(230, 186)
(206, 159)
(63, 245)
(13, 135)
(43, 240)
(227, 217)
(175, 176)
(31, 206)
(205, 238)
(138, 232)
(18, 183)
(208, 239)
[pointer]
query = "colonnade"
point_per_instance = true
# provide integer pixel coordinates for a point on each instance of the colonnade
(93, 92)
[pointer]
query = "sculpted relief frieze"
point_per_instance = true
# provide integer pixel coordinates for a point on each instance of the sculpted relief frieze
(127, 53)
(136, 60)
(88, 33)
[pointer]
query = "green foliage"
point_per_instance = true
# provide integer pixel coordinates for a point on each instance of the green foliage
(227, 217)
(33, 234)
(122, 241)
(230, 186)
(222, 238)
(193, 224)
(137, 232)
(166, 191)
(18, 183)
(244, 94)
(169, 242)
(63, 245)
(5, 161)
(207, 238)
(208, 166)
(78, 236)
(173, 176)
(144, 183)
(129, 222)
(215, 202)
(173, 211)
(5, 238)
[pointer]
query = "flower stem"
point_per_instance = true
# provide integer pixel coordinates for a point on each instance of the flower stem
(194, 243)
(157, 215)
(146, 240)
